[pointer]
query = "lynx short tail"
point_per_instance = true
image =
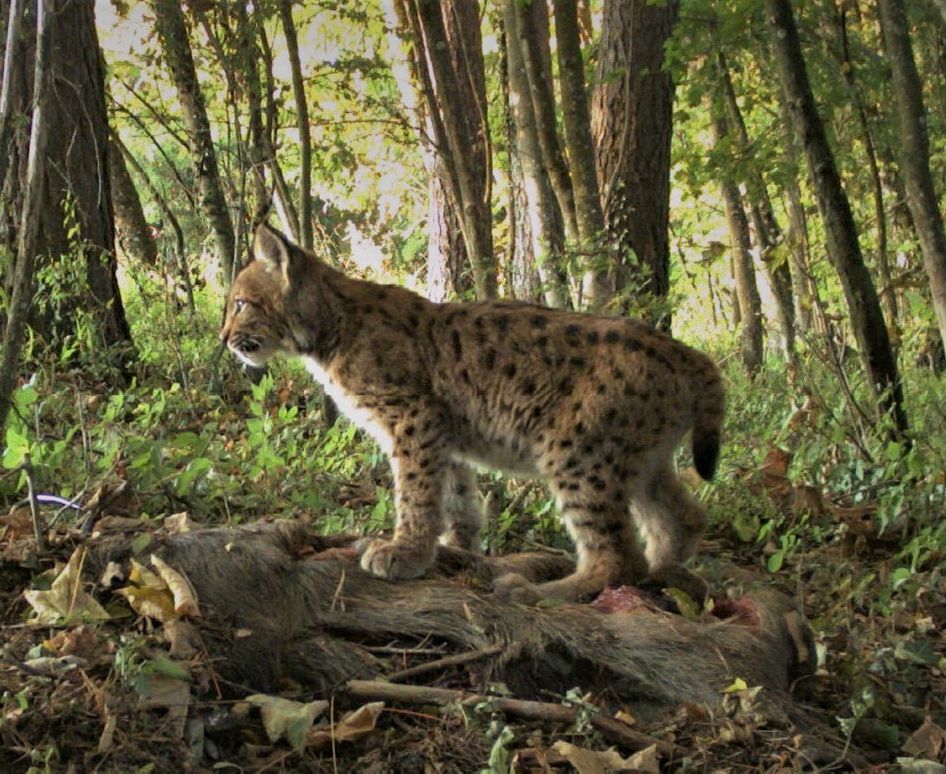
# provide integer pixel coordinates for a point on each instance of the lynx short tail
(710, 407)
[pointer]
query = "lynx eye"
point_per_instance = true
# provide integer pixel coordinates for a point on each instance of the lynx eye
(238, 305)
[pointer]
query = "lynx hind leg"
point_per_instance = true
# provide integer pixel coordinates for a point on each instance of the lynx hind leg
(463, 510)
(669, 518)
(595, 514)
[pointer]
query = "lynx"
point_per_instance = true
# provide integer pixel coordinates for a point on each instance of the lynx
(594, 405)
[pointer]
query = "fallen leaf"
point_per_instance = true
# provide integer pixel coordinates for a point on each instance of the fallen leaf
(106, 738)
(929, 741)
(179, 522)
(185, 598)
(183, 639)
(601, 762)
(66, 600)
(352, 726)
(157, 691)
(284, 718)
(148, 594)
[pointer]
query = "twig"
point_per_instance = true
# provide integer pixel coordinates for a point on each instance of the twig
(613, 730)
(37, 516)
(441, 663)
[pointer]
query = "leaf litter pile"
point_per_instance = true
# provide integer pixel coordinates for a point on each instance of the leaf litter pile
(156, 645)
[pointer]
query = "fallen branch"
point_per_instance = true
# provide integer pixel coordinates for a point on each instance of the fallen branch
(441, 663)
(613, 730)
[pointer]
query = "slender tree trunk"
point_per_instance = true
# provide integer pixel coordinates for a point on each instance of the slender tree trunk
(750, 305)
(848, 70)
(532, 26)
(542, 209)
(867, 319)
(131, 228)
(29, 243)
(282, 197)
(302, 122)
(632, 119)
(172, 33)
(915, 153)
(597, 287)
(463, 140)
(762, 215)
(10, 65)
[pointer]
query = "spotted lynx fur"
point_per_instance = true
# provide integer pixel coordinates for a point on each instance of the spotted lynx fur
(594, 405)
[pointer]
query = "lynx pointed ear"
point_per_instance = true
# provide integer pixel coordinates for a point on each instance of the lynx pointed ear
(271, 248)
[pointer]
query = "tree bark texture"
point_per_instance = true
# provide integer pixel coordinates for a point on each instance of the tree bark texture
(750, 305)
(867, 319)
(175, 44)
(76, 242)
(532, 27)
(915, 153)
(542, 208)
(597, 287)
(131, 229)
(632, 118)
(450, 37)
(28, 243)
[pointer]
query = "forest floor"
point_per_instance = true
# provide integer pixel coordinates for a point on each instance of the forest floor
(105, 695)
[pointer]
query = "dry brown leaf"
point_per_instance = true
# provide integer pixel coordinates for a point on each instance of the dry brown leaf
(929, 740)
(352, 726)
(148, 594)
(179, 522)
(601, 762)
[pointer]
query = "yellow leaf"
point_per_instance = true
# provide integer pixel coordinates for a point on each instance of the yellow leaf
(66, 600)
(185, 598)
(738, 685)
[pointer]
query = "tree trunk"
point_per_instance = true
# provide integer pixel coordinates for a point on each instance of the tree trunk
(848, 69)
(131, 229)
(532, 26)
(457, 104)
(750, 305)
(29, 243)
(867, 318)
(302, 122)
(542, 209)
(762, 215)
(597, 288)
(172, 33)
(632, 118)
(915, 154)
(76, 245)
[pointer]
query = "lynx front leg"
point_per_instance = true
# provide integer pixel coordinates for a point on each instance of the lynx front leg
(418, 462)
(462, 508)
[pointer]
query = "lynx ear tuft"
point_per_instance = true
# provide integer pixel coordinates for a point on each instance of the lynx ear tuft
(271, 248)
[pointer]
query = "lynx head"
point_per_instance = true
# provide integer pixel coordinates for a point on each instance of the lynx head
(260, 308)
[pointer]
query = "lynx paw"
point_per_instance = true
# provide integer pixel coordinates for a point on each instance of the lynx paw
(513, 587)
(396, 560)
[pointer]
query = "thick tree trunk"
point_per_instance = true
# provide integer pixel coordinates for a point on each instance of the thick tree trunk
(597, 286)
(457, 104)
(172, 33)
(542, 210)
(131, 229)
(915, 153)
(77, 241)
(750, 305)
(867, 319)
(632, 118)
